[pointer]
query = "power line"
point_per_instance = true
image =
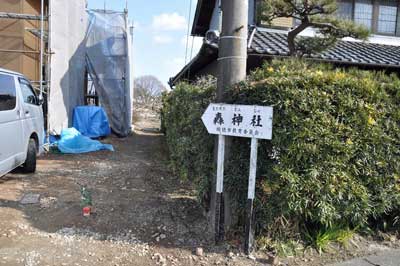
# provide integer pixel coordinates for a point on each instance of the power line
(191, 50)
(188, 31)
(191, 55)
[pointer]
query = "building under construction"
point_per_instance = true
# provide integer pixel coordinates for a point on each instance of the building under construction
(64, 49)
(20, 37)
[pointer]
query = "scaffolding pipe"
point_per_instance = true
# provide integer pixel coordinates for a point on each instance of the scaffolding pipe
(20, 16)
(19, 51)
(41, 47)
(48, 77)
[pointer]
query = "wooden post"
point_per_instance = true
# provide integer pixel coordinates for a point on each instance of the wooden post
(219, 208)
(249, 237)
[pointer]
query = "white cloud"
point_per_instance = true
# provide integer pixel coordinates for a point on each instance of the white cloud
(184, 39)
(175, 65)
(178, 61)
(137, 25)
(162, 39)
(169, 21)
(197, 43)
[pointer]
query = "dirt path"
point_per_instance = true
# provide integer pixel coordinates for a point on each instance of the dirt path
(143, 214)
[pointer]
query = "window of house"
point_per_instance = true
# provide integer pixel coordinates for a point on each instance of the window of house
(8, 96)
(27, 92)
(345, 9)
(363, 10)
(379, 16)
(387, 17)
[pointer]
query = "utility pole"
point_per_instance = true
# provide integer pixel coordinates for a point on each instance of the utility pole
(232, 64)
(232, 45)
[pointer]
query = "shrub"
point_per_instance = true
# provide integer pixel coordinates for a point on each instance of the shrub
(334, 156)
(190, 146)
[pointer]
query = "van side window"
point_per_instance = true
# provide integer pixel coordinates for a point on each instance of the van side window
(27, 92)
(8, 98)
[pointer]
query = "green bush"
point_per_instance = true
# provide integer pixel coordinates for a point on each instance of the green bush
(334, 156)
(190, 146)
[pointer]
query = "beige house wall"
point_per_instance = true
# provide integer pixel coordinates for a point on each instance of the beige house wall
(283, 22)
(11, 37)
(31, 62)
(276, 23)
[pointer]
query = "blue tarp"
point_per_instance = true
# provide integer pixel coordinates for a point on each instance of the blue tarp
(91, 121)
(72, 141)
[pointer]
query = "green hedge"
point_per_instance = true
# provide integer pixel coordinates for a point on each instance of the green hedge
(334, 157)
(190, 146)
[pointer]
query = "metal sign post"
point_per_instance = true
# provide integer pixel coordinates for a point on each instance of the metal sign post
(246, 121)
(219, 205)
(248, 244)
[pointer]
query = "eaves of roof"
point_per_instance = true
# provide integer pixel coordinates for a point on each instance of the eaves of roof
(207, 54)
(273, 43)
(202, 18)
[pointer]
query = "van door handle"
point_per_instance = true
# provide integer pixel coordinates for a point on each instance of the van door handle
(27, 112)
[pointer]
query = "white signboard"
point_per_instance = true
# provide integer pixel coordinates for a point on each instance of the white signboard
(248, 121)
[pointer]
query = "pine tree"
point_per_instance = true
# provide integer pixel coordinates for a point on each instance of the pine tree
(317, 14)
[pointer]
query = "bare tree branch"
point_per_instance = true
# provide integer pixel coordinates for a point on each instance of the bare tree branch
(148, 89)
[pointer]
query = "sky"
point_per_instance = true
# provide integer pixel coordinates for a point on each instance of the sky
(159, 35)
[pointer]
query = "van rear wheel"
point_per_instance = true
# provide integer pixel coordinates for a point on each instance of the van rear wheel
(30, 163)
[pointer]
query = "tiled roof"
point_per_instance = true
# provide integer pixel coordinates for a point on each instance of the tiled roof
(267, 42)
(347, 52)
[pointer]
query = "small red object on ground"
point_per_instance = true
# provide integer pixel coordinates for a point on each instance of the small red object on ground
(86, 211)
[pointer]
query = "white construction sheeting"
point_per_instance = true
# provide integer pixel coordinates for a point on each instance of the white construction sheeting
(108, 60)
(67, 27)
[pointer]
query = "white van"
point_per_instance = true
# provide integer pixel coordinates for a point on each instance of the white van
(21, 123)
